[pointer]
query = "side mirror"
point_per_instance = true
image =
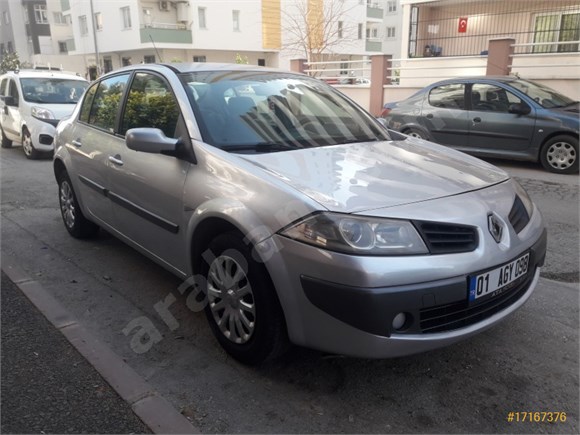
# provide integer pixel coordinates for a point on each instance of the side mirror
(519, 109)
(150, 140)
(9, 101)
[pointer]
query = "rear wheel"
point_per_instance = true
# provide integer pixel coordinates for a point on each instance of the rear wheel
(243, 309)
(6, 143)
(29, 151)
(74, 221)
(560, 155)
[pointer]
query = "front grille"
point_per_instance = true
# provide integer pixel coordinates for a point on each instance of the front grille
(518, 216)
(442, 238)
(461, 314)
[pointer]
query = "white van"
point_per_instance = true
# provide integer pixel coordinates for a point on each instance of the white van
(32, 102)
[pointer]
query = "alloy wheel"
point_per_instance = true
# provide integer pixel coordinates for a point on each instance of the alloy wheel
(231, 299)
(561, 155)
(67, 204)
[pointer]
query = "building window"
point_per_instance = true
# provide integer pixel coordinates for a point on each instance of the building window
(391, 7)
(107, 64)
(98, 21)
(201, 18)
(261, 62)
(83, 25)
(62, 48)
(149, 59)
(556, 27)
(58, 18)
(360, 31)
(125, 61)
(25, 14)
(340, 27)
(391, 32)
(40, 15)
(199, 59)
(372, 33)
(6, 17)
(126, 16)
(236, 19)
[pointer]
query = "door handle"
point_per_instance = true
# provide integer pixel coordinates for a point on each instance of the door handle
(477, 119)
(116, 160)
(429, 116)
(77, 143)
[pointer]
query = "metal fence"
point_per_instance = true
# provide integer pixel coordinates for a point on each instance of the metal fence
(464, 28)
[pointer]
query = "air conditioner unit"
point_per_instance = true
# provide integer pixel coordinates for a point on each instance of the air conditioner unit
(164, 6)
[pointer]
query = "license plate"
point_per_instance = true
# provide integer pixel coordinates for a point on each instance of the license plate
(497, 281)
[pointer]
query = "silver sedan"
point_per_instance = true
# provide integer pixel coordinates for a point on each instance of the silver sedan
(293, 215)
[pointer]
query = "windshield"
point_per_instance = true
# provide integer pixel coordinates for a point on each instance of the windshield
(265, 112)
(544, 96)
(50, 90)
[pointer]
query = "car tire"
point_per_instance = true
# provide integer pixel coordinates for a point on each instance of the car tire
(242, 307)
(414, 132)
(27, 146)
(6, 143)
(74, 221)
(560, 155)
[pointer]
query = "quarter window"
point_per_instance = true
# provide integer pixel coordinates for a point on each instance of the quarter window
(87, 102)
(450, 96)
(151, 103)
(106, 102)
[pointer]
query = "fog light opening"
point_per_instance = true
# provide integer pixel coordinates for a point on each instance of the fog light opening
(400, 321)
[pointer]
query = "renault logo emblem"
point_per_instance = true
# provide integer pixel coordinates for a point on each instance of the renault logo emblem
(495, 227)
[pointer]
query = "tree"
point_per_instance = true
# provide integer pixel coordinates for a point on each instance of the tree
(315, 28)
(9, 62)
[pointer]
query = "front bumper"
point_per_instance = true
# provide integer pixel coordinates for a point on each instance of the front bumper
(42, 133)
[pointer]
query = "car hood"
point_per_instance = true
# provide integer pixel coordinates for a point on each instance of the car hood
(59, 111)
(365, 176)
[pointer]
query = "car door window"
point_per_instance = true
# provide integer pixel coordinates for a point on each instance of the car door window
(491, 98)
(3, 86)
(151, 103)
(13, 91)
(450, 96)
(106, 102)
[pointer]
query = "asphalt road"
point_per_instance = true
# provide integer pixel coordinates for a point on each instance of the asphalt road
(527, 363)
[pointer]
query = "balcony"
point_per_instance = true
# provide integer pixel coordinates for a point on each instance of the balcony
(70, 45)
(64, 5)
(169, 33)
(373, 45)
(374, 12)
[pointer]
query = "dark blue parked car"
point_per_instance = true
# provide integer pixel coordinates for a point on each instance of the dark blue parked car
(503, 117)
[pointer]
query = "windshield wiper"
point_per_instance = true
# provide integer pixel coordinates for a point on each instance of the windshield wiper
(261, 146)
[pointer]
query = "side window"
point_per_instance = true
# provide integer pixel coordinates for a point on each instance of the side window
(3, 86)
(87, 103)
(491, 98)
(151, 103)
(106, 102)
(450, 96)
(13, 91)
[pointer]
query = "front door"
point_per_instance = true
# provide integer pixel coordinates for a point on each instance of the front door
(492, 127)
(11, 118)
(147, 189)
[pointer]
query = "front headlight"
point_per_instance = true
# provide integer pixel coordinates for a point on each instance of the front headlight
(358, 235)
(525, 198)
(42, 113)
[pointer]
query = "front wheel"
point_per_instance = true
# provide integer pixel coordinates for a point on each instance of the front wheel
(74, 221)
(29, 151)
(560, 155)
(242, 306)
(413, 132)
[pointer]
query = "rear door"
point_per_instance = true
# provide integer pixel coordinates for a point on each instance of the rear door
(90, 143)
(146, 190)
(444, 114)
(491, 127)
(11, 118)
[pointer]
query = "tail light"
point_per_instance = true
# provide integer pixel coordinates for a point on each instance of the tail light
(385, 112)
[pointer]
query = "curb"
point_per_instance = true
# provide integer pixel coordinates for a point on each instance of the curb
(153, 409)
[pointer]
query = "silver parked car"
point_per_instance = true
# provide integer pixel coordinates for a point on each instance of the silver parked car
(295, 212)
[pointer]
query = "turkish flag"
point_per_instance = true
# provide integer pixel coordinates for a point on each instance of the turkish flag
(462, 27)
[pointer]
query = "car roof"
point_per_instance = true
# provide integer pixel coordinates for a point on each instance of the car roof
(45, 73)
(503, 79)
(179, 68)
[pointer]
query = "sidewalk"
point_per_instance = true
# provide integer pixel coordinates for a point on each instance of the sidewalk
(57, 377)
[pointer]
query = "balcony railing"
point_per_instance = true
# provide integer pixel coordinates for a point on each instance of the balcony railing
(373, 45)
(168, 35)
(374, 12)
(70, 45)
